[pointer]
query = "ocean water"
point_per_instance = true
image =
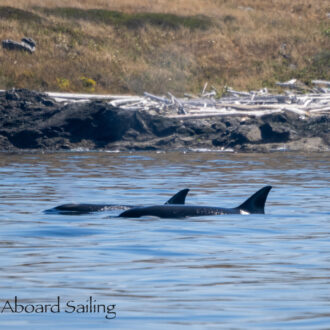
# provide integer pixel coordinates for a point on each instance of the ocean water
(268, 271)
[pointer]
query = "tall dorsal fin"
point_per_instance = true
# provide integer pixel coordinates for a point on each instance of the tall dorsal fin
(178, 198)
(256, 203)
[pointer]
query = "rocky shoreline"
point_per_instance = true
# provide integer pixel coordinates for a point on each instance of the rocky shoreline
(35, 121)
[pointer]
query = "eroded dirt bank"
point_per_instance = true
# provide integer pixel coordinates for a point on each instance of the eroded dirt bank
(31, 120)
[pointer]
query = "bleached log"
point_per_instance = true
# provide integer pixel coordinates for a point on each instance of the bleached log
(157, 98)
(117, 103)
(179, 104)
(297, 111)
(134, 108)
(325, 109)
(232, 91)
(289, 84)
(75, 96)
(210, 94)
(200, 103)
(294, 84)
(225, 113)
(248, 107)
(190, 96)
(321, 82)
(214, 89)
(204, 89)
(67, 101)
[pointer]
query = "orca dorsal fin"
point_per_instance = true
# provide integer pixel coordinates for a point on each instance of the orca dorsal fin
(179, 197)
(256, 203)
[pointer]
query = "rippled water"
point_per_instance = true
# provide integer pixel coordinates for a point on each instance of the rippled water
(233, 271)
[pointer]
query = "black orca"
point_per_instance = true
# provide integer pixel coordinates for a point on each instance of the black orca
(254, 204)
(178, 198)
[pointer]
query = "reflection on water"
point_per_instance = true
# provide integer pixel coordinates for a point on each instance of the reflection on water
(257, 271)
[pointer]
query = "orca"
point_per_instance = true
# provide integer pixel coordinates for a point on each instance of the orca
(253, 205)
(74, 209)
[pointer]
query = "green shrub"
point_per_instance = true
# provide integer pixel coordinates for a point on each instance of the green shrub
(88, 83)
(63, 83)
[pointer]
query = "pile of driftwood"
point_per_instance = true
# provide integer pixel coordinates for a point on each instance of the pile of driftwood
(233, 103)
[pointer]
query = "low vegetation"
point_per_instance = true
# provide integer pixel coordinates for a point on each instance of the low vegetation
(166, 45)
(130, 20)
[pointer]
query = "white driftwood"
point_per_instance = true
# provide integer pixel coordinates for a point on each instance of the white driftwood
(78, 96)
(117, 103)
(178, 102)
(157, 98)
(233, 103)
(225, 113)
(325, 109)
(204, 89)
(256, 103)
(213, 93)
(321, 82)
(297, 111)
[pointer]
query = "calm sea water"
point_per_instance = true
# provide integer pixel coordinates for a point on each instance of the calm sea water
(267, 271)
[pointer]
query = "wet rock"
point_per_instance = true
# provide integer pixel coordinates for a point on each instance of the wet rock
(326, 137)
(273, 132)
(25, 139)
(161, 126)
(315, 144)
(219, 127)
(12, 95)
(231, 123)
(250, 133)
(5, 145)
(201, 126)
(185, 130)
(221, 141)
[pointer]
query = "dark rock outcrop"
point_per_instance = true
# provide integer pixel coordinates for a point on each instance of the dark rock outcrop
(31, 120)
(26, 44)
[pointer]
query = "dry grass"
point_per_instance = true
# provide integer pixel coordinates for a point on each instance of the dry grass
(165, 45)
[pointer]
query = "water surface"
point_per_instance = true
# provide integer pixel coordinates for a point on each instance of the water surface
(259, 271)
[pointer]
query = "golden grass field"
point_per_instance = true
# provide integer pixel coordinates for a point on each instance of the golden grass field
(132, 46)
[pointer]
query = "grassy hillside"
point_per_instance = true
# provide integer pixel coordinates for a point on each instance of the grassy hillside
(126, 46)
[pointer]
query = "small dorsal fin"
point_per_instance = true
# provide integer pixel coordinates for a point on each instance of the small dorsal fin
(179, 197)
(256, 203)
